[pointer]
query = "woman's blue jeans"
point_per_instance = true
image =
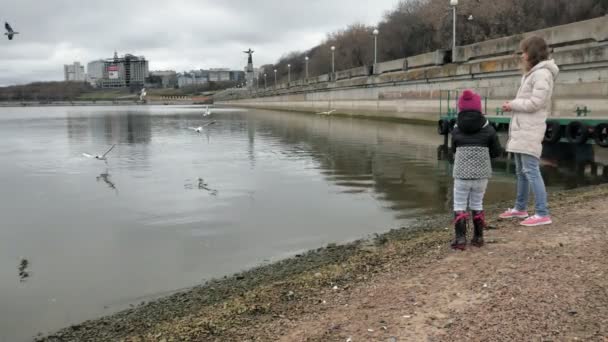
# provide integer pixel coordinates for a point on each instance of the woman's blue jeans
(528, 176)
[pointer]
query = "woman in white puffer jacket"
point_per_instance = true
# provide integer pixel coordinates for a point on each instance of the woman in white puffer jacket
(530, 109)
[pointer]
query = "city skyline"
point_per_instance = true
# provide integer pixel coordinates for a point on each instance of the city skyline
(186, 35)
(99, 73)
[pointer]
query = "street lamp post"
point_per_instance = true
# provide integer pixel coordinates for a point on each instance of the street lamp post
(275, 78)
(265, 80)
(333, 66)
(288, 73)
(306, 60)
(375, 46)
(454, 3)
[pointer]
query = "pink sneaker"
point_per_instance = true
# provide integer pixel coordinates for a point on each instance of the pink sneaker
(512, 213)
(536, 220)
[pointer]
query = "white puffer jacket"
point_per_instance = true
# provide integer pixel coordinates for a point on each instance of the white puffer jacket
(531, 108)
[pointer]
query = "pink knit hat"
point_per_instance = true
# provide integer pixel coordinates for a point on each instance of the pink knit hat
(469, 101)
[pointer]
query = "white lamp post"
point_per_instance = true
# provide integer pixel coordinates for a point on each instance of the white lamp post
(333, 66)
(306, 60)
(454, 3)
(375, 45)
(288, 73)
(265, 80)
(275, 77)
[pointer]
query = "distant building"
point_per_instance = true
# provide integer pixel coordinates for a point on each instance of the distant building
(195, 77)
(95, 71)
(237, 76)
(168, 77)
(219, 75)
(74, 72)
(199, 77)
(128, 71)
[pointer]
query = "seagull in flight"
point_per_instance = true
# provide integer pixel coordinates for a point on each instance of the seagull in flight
(207, 111)
(327, 113)
(99, 157)
(9, 31)
(200, 128)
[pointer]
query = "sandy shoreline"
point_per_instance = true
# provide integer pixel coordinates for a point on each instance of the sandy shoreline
(545, 283)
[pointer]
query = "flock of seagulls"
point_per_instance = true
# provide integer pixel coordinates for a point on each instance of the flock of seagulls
(10, 33)
(199, 129)
(105, 177)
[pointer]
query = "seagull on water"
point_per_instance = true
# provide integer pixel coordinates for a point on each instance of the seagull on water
(327, 113)
(99, 157)
(9, 31)
(200, 128)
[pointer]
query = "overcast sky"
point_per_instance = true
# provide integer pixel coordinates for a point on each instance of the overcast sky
(177, 35)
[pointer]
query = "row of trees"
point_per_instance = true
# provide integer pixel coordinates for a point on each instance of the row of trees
(208, 86)
(419, 26)
(45, 91)
(69, 91)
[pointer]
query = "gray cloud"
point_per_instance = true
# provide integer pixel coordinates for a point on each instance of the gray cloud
(179, 34)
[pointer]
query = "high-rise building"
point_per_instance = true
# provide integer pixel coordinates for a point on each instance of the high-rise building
(95, 71)
(128, 71)
(74, 72)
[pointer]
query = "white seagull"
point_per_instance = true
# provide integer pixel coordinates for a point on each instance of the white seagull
(200, 128)
(207, 111)
(327, 113)
(9, 31)
(99, 157)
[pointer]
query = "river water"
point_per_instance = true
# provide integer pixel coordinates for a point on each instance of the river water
(81, 238)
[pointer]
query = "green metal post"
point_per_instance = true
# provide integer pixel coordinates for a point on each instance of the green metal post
(440, 103)
(449, 93)
(485, 106)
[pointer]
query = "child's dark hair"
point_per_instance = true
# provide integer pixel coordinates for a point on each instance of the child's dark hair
(537, 50)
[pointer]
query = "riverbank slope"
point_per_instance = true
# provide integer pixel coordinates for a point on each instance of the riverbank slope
(544, 283)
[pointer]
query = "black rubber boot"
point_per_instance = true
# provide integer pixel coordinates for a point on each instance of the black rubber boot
(460, 230)
(479, 224)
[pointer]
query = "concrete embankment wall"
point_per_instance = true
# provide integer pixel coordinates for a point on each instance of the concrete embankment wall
(412, 88)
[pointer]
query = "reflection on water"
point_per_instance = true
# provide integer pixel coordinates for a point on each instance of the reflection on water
(105, 177)
(201, 185)
(267, 185)
(23, 273)
(563, 165)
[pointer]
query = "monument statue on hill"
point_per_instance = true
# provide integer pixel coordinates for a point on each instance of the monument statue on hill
(249, 69)
(250, 59)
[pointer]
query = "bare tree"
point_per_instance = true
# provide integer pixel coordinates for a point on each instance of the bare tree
(418, 26)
